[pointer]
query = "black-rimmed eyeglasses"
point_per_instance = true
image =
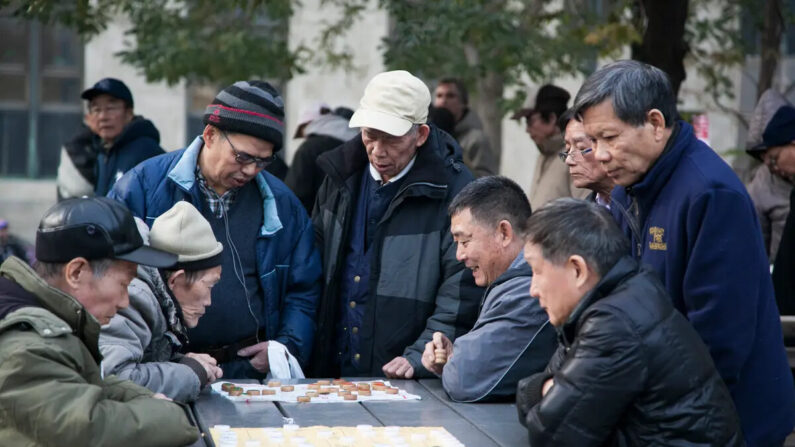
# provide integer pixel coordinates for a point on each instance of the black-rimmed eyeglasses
(246, 159)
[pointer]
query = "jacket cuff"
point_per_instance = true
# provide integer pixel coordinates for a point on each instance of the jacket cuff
(528, 393)
(197, 369)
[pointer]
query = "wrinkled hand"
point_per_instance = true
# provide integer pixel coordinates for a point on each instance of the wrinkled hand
(547, 385)
(210, 365)
(398, 368)
(259, 356)
(161, 396)
(440, 341)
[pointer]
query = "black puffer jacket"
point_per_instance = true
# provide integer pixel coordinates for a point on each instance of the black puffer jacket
(630, 371)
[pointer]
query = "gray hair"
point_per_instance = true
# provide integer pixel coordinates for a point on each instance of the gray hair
(635, 88)
(567, 227)
(50, 270)
(493, 199)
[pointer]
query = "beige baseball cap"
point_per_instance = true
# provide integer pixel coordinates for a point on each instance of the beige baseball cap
(392, 102)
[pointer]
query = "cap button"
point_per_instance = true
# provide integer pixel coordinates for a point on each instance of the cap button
(91, 230)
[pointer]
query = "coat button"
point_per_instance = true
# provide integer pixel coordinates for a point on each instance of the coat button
(357, 357)
(355, 330)
(357, 278)
(353, 304)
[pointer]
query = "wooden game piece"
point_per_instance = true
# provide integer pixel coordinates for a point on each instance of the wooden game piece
(313, 386)
(349, 387)
(391, 390)
(304, 399)
(323, 382)
(274, 384)
(227, 386)
(254, 392)
(268, 392)
(338, 381)
(324, 390)
(379, 387)
(311, 394)
(364, 392)
(350, 397)
(379, 383)
(363, 387)
(440, 356)
(288, 388)
(343, 393)
(235, 391)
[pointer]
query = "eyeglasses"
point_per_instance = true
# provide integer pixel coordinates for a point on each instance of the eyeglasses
(246, 159)
(96, 110)
(564, 155)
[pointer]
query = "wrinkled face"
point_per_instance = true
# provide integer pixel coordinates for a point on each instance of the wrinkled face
(478, 247)
(447, 96)
(626, 152)
(194, 297)
(390, 154)
(771, 158)
(585, 171)
(219, 164)
(108, 116)
(540, 130)
(553, 285)
(105, 295)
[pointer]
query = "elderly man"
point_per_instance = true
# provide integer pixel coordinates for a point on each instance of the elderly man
(451, 94)
(391, 277)
(120, 141)
(52, 390)
(270, 284)
(512, 337)
(630, 370)
(690, 218)
(142, 343)
(585, 171)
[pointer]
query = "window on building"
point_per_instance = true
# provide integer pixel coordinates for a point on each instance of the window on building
(41, 71)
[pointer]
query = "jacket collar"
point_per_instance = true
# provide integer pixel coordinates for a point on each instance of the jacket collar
(349, 159)
(62, 305)
(184, 175)
(518, 268)
(625, 267)
(649, 187)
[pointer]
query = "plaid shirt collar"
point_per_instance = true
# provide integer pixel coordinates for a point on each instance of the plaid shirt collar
(219, 205)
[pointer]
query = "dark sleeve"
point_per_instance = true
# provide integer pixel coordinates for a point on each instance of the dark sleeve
(602, 375)
(301, 179)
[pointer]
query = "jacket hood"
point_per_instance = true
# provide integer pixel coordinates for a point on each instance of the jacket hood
(625, 267)
(13, 297)
(62, 305)
(331, 125)
(139, 127)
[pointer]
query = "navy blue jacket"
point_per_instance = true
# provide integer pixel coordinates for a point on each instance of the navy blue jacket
(288, 263)
(139, 141)
(696, 226)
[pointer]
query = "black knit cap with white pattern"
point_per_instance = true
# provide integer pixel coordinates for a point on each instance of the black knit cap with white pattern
(249, 107)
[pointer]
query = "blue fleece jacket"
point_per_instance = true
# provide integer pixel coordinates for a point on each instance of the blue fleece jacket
(288, 263)
(695, 224)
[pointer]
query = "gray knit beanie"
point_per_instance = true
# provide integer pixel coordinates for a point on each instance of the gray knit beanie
(249, 107)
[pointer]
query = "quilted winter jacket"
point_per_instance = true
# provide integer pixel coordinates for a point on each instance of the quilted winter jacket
(51, 387)
(629, 371)
(417, 286)
(288, 263)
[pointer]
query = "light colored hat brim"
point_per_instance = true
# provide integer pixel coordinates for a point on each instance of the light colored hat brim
(374, 119)
(190, 258)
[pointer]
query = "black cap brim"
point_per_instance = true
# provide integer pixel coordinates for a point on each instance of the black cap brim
(92, 93)
(152, 257)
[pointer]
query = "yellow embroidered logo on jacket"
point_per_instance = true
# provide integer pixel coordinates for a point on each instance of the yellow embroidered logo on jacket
(656, 242)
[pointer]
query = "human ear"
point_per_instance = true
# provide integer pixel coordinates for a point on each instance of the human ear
(174, 278)
(75, 271)
(505, 232)
(580, 269)
(656, 119)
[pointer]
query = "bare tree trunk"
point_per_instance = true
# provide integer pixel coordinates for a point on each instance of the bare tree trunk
(485, 102)
(663, 44)
(770, 53)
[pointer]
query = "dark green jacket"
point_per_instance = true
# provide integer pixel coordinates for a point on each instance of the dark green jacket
(417, 286)
(51, 387)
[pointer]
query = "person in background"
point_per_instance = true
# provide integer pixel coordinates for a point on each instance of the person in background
(381, 223)
(512, 337)
(690, 218)
(769, 191)
(479, 156)
(11, 245)
(323, 133)
(271, 281)
(585, 171)
(143, 342)
(77, 176)
(630, 369)
(551, 179)
(441, 118)
(121, 139)
(52, 388)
